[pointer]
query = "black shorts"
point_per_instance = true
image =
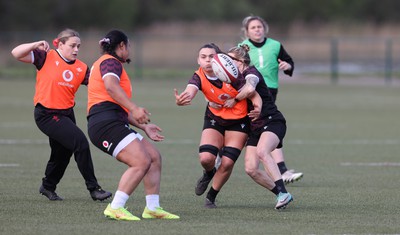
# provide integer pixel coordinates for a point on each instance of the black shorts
(111, 136)
(276, 126)
(241, 125)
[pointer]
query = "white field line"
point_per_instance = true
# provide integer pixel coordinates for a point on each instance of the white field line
(23, 141)
(346, 142)
(370, 163)
(191, 141)
(9, 165)
(342, 164)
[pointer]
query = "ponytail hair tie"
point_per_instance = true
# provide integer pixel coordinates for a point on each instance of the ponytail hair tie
(55, 42)
(104, 40)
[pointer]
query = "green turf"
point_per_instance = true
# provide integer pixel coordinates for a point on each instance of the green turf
(345, 138)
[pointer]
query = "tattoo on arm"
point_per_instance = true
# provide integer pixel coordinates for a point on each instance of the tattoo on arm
(252, 80)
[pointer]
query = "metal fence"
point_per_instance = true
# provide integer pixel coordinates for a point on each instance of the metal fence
(335, 58)
(349, 57)
(325, 58)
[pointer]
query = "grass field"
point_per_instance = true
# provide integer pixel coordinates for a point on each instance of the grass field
(345, 138)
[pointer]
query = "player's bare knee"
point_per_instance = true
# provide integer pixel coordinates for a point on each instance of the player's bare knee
(251, 171)
(207, 154)
(262, 152)
(155, 158)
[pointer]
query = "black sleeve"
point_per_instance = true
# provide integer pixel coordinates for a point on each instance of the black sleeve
(283, 55)
(39, 58)
(196, 81)
(86, 79)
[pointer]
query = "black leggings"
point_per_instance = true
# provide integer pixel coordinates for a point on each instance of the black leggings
(65, 139)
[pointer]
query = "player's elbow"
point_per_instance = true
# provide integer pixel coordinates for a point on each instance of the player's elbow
(250, 91)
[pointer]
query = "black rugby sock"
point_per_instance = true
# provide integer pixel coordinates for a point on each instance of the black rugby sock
(280, 186)
(282, 167)
(275, 190)
(212, 194)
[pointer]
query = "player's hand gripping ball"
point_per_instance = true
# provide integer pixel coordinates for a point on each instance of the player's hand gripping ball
(224, 68)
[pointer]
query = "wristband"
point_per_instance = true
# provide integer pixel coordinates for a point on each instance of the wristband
(236, 100)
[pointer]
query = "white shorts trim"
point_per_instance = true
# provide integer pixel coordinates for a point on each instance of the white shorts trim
(125, 141)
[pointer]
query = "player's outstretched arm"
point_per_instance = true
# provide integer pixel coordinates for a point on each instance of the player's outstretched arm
(186, 97)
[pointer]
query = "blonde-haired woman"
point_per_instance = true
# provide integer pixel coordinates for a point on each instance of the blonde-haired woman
(269, 56)
(59, 75)
(267, 132)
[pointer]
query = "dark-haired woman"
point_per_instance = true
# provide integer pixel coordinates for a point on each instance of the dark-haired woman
(110, 113)
(224, 129)
(59, 75)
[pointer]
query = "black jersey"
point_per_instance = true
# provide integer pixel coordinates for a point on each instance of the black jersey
(268, 105)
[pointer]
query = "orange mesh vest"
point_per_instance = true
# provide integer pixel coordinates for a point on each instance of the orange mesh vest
(57, 82)
(219, 95)
(97, 92)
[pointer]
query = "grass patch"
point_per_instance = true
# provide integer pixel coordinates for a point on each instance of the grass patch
(327, 126)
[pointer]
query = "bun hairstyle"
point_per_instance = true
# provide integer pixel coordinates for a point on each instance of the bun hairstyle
(241, 53)
(110, 42)
(245, 47)
(246, 21)
(64, 35)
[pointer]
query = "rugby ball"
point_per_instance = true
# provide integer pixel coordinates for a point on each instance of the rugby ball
(224, 68)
